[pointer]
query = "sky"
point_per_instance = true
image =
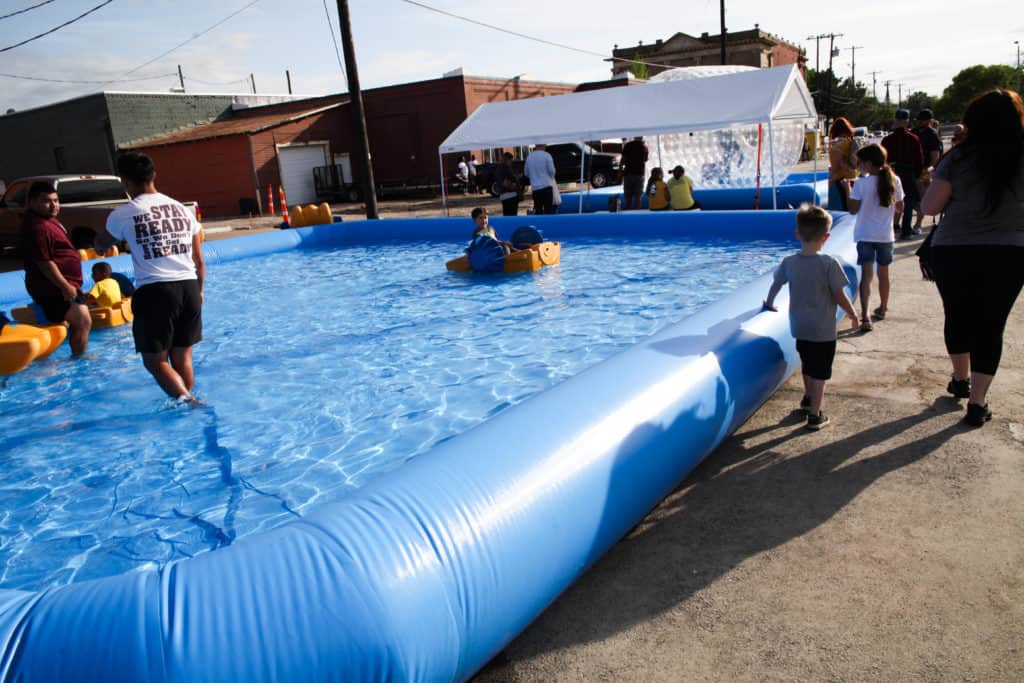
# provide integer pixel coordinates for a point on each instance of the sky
(920, 45)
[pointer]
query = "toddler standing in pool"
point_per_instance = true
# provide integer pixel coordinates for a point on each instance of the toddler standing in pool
(875, 199)
(816, 287)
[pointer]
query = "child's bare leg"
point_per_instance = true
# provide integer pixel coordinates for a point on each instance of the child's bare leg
(815, 389)
(883, 288)
(867, 273)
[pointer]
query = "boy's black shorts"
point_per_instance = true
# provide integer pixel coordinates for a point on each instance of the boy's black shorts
(816, 358)
(167, 315)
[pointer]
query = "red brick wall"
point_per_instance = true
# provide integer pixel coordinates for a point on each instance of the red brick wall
(215, 173)
(334, 126)
(407, 124)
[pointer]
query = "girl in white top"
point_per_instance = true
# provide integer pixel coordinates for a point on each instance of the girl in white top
(876, 199)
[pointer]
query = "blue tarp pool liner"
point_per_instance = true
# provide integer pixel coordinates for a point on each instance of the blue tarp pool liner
(428, 571)
(794, 191)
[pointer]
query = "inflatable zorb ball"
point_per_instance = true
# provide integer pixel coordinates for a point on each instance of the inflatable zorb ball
(726, 157)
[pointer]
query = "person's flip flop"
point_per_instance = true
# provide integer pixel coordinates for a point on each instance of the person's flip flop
(879, 314)
(866, 326)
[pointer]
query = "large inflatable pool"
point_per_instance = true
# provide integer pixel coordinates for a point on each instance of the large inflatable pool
(794, 191)
(428, 571)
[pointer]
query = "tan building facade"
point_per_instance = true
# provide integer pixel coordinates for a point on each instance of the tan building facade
(755, 47)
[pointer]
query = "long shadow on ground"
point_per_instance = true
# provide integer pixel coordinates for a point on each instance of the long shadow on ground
(743, 500)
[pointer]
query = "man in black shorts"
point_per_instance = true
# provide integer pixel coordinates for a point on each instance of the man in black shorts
(53, 268)
(166, 247)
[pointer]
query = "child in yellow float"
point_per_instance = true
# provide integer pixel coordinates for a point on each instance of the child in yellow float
(106, 293)
(680, 191)
(657, 190)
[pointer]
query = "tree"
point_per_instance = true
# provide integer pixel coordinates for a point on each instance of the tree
(918, 100)
(970, 83)
(640, 70)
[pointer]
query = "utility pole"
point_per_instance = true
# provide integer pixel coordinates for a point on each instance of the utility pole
(832, 52)
(899, 96)
(288, 76)
(181, 78)
(252, 80)
(887, 99)
(1017, 43)
(817, 49)
(722, 12)
(853, 68)
(874, 83)
(355, 95)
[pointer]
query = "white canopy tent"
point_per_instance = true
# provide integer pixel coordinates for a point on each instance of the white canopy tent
(758, 96)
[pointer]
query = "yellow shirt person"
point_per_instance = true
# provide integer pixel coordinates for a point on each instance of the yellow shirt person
(106, 293)
(680, 190)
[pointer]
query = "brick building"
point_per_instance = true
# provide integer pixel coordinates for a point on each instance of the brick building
(748, 48)
(83, 134)
(226, 165)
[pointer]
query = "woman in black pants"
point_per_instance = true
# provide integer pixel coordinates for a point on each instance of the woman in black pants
(978, 246)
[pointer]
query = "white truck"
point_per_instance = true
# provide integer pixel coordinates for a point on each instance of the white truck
(85, 203)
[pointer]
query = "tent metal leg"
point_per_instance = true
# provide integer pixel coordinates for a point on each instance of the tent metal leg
(771, 163)
(583, 165)
(444, 198)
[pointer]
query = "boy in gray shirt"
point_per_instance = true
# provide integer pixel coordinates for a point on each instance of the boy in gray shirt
(816, 287)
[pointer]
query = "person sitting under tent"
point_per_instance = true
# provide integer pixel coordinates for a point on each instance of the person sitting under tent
(680, 191)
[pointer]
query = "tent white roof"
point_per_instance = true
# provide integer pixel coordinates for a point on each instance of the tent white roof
(747, 97)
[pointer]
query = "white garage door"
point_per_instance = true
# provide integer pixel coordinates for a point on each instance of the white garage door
(297, 164)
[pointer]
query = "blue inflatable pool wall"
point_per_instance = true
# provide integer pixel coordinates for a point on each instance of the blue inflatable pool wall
(794, 191)
(427, 572)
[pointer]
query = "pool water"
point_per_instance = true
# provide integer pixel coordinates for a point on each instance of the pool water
(321, 370)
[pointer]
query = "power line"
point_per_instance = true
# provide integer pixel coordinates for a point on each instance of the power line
(194, 37)
(239, 80)
(57, 28)
(533, 38)
(58, 80)
(330, 27)
(22, 11)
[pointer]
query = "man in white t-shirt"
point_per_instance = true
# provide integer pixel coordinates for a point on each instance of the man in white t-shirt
(540, 169)
(166, 248)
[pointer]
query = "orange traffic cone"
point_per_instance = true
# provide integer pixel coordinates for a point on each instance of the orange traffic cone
(284, 206)
(270, 199)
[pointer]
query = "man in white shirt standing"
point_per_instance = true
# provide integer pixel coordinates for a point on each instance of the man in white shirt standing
(166, 247)
(540, 169)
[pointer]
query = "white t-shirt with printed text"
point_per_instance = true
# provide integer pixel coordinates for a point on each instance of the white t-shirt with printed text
(159, 232)
(874, 221)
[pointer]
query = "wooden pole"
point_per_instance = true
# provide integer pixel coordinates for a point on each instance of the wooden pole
(358, 115)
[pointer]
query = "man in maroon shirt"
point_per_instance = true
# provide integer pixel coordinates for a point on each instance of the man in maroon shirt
(906, 157)
(53, 269)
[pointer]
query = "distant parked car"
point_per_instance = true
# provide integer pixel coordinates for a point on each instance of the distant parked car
(85, 203)
(600, 168)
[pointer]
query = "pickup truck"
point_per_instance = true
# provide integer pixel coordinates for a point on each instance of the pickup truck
(85, 203)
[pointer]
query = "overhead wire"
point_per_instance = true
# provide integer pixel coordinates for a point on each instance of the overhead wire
(27, 9)
(194, 37)
(57, 28)
(61, 80)
(330, 27)
(198, 80)
(533, 38)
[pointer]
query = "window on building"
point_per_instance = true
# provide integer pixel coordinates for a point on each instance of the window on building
(58, 157)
